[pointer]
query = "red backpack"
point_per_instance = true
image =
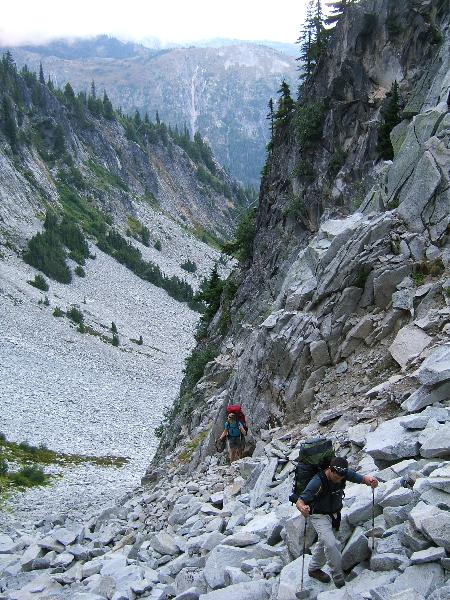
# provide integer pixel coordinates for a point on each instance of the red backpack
(237, 410)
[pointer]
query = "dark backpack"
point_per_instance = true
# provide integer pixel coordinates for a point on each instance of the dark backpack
(237, 410)
(315, 456)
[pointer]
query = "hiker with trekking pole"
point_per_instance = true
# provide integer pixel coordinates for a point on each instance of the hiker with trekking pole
(318, 493)
(234, 432)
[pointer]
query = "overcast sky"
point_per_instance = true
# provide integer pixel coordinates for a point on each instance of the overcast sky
(169, 20)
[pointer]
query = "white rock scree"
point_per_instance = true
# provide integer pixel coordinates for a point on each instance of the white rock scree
(77, 394)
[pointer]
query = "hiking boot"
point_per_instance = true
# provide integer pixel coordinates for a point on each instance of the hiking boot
(320, 575)
(338, 581)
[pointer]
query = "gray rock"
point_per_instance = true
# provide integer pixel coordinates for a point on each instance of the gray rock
(390, 441)
(437, 445)
(398, 497)
(293, 535)
(428, 555)
(29, 556)
(64, 536)
(262, 485)
(220, 558)
(421, 578)
(235, 575)
(409, 343)
(437, 529)
(190, 577)
(384, 285)
(250, 590)
(435, 368)
(190, 594)
(388, 561)
(358, 433)
(437, 498)
(442, 593)
(63, 560)
(356, 549)
(290, 579)
(319, 353)
(7, 546)
(164, 543)
(396, 515)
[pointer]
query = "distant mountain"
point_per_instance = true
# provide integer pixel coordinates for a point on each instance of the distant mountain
(221, 92)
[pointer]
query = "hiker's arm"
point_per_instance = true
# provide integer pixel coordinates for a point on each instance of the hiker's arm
(223, 435)
(308, 495)
(303, 508)
(242, 430)
(357, 478)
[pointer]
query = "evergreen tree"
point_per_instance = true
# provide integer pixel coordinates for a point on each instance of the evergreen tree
(59, 146)
(113, 328)
(158, 120)
(41, 74)
(337, 8)
(137, 119)
(285, 103)
(9, 122)
(93, 90)
(108, 110)
(69, 94)
(270, 117)
(391, 118)
(312, 38)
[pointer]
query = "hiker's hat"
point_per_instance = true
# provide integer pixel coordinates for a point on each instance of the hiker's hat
(339, 465)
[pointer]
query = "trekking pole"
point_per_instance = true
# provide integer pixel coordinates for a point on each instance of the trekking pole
(373, 519)
(303, 559)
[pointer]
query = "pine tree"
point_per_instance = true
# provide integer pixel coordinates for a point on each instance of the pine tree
(108, 110)
(285, 103)
(113, 328)
(9, 122)
(337, 9)
(93, 90)
(270, 117)
(41, 74)
(312, 38)
(158, 120)
(69, 94)
(391, 118)
(59, 145)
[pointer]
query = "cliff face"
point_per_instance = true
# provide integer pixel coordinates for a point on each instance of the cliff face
(326, 299)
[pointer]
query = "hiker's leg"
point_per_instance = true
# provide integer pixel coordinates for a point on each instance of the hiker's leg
(327, 541)
(318, 558)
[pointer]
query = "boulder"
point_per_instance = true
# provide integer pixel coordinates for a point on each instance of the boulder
(425, 396)
(320, 354)
(356, 549)
(290, 580)
(438, 444)
(164, 543)
(428, 555)
(220, 558)
(250, 590)
(391, 442)
(422, 578)
(385, 284)
(262, 485)
(190, 594)
(294, 532)
(435, 368)
(437, 528)
(409, 342)
(442, 593)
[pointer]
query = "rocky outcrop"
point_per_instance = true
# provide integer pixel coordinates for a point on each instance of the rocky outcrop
(228, 532)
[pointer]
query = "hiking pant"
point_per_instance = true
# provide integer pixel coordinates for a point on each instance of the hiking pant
(328, 547)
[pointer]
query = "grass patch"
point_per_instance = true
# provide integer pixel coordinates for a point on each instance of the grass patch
(192, 446)
(106, 178)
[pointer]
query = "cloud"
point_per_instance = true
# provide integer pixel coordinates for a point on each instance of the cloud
(169, 20)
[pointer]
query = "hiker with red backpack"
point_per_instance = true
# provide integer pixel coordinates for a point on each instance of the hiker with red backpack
(234, 431)
(318, 493)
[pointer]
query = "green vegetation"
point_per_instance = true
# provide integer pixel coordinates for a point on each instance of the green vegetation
(208, 297)
(309, 124)
(125, 253)
(195, 364)
(337, 161)
(242, 245)
(26, 460)
(75, 315)
(80, 271)
(106, 178)
(39, 282)
(431, 268)
(186, 455)
(138, 231)
(158, 245)
(285, 105)
(46, 253)
(58, 312)
(362, 275)
(229, 291)
(391, 118)
(189, 266)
